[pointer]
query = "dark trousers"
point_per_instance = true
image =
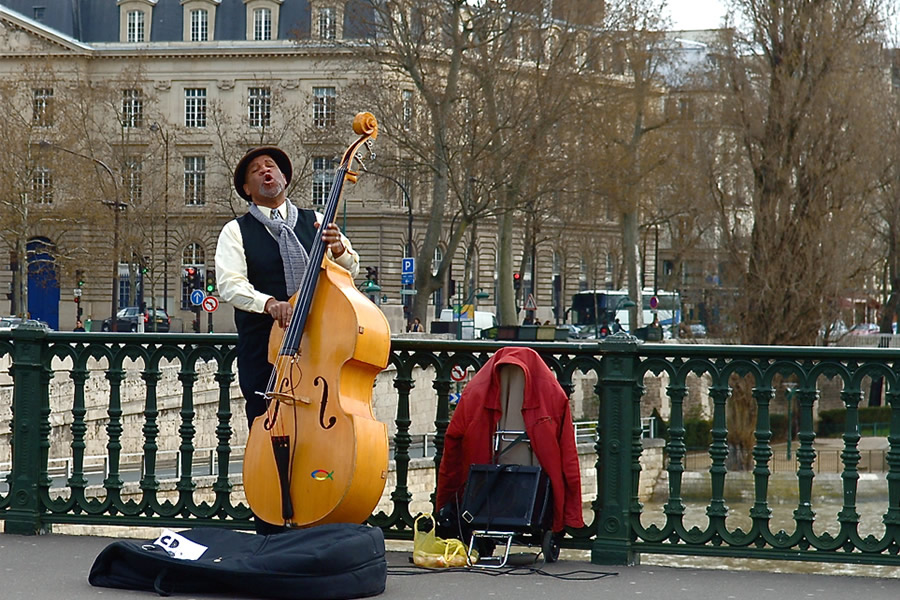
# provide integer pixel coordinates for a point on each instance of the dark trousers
(254, 373)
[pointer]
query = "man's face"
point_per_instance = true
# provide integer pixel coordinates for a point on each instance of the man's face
(264, 180)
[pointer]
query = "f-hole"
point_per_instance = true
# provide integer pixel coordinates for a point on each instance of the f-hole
(332, 419)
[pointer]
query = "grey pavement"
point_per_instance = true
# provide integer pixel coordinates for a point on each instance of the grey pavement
(56, 567)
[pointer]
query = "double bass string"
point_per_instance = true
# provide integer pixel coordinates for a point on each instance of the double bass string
(290, 342)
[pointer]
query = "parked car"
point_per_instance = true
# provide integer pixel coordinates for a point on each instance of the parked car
(589, 332)
(7, 323)
(572, 331)
(865, 329)
(127, 320)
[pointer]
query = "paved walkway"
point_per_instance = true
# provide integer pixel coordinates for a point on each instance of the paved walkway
(56, 567)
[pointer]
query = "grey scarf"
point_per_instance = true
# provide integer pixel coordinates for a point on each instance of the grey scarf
(293, 254)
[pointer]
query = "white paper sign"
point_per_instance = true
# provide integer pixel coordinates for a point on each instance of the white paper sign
(179, 546)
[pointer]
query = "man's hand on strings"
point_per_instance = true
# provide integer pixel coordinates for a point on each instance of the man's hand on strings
(331, 235)
(280, 311)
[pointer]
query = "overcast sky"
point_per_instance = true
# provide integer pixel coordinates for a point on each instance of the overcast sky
(696, 14)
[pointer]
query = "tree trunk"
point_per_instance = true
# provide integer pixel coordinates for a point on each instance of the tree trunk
(631, 249)
(506, 298)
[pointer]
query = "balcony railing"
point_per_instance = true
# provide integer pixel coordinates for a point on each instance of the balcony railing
(72, 460)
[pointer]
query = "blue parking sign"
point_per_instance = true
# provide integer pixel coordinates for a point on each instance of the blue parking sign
(409, 266)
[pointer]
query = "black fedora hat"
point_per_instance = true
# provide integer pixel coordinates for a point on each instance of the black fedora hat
(281, 159)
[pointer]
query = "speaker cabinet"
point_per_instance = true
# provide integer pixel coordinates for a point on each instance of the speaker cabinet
(513, 498)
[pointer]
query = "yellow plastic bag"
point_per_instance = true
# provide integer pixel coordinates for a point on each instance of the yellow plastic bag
(433, 552)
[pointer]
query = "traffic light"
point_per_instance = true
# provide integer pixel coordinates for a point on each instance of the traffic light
(193, 277)
(79, 277)
(372, 274)
(517, 281)
(210, 282)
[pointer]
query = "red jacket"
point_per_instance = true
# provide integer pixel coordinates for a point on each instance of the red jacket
(548, 423)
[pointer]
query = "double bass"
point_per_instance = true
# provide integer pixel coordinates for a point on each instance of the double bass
(318, 455)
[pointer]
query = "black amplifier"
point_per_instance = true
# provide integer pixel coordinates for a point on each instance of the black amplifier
(513, 498)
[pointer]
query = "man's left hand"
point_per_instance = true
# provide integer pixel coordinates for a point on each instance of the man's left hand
(331, 235)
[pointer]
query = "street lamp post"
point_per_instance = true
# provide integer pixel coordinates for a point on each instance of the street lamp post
(116, 206)
(164, 135)
(409, 214)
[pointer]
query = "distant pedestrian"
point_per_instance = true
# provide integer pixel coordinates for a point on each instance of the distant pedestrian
(416, 326)
(79, 326)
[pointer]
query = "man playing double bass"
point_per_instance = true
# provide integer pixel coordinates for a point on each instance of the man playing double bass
(260, 261)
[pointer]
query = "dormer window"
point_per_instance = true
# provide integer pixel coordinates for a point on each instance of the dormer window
(199, 25)
(326, 23)
(327, 19)
(199, 18)
(135, 19)
(135, 26)
(262, 19)
(262, 24)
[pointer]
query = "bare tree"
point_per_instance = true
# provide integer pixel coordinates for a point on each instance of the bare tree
(804, 119)
(38, 211)
(805, 122)
(630, 117)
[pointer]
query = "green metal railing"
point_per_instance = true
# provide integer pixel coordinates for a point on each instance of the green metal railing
(38, 497)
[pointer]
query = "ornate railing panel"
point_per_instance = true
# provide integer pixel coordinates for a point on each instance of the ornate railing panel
(149, 439)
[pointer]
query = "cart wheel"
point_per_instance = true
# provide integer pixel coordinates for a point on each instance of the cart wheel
(550, 547)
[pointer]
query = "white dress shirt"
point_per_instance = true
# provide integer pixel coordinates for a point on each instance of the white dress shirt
(231, 264)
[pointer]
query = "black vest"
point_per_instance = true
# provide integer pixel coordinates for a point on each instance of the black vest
(265, 269)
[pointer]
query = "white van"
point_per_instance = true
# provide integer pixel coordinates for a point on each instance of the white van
(471, 328)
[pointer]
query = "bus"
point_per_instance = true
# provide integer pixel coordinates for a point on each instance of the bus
(598, 307)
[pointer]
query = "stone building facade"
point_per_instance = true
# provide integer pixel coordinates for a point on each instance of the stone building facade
(193, 84)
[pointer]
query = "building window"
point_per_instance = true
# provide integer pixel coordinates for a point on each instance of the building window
(134, 179)
(39, 13)
(259, 103)
(327, 23)
(324, 106)
(323, 174)
(199, 25)
(135, 31)
(195, 107)
(132, 108)
(262, 24)
(194, 180)
(406, 108)
(124, 286)
(42, 185)
(42, 107)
